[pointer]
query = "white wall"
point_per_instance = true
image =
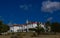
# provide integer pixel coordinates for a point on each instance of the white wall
(11, 29)
(34, 25)
(15, 28)
(31, 25)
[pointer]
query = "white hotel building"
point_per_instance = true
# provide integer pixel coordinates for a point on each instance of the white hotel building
(24, 27)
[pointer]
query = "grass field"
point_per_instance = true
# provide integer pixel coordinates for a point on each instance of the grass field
(29, 35)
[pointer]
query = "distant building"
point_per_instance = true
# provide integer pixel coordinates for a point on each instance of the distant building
(22, 27)
(25, 27)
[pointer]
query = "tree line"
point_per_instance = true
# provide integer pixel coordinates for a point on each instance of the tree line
(55, 27)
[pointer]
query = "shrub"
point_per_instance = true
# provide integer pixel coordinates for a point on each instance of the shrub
(17, 36)
(24, 34)
(14, 36)
(13, 33)
(34, 35)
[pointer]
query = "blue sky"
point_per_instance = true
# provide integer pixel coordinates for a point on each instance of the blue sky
(18, 11)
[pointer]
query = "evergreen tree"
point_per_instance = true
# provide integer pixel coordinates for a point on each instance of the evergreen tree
(3, 27)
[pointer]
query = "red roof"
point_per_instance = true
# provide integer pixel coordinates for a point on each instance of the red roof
(25, 24)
